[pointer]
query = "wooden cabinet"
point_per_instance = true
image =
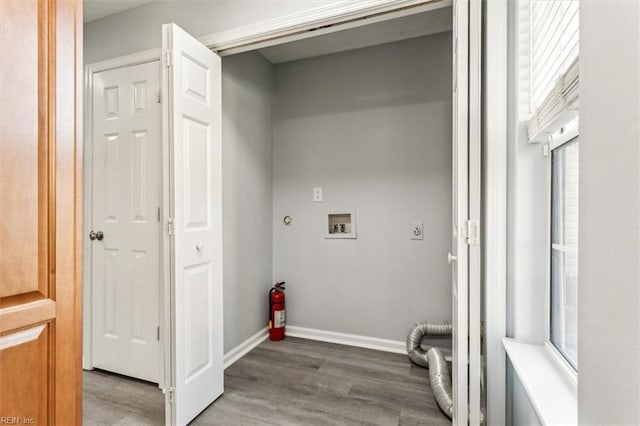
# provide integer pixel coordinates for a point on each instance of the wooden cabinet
(40, 205)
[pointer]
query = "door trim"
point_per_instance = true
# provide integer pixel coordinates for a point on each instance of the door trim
(139, 58)
(494, 139)
(310, 23)
(475, 208)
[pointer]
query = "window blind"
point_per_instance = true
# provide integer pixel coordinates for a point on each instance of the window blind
(554, 44)
(554, 36)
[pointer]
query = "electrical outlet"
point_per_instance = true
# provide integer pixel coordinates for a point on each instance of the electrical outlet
(416, 230)
(317, 195)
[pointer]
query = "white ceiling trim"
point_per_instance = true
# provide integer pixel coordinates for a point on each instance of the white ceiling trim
(318, 21)
(392, 30)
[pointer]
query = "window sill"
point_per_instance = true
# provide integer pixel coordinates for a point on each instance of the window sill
(553, 396)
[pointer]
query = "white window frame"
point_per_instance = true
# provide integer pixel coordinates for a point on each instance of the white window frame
(566, 134)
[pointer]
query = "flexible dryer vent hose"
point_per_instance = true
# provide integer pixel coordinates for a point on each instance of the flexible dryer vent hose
(434, 360)
(420, 330)
(440, 379)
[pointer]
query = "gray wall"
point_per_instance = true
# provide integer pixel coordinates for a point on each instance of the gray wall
(139, 29)
(247, 93)
(609, 296)
(373, 128)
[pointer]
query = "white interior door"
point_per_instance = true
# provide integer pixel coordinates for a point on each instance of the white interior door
(192, 126)
(126, 201)
(459, 257)
(465, 254)
(475, 207)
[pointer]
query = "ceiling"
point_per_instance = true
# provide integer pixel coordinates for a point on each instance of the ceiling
(417, 25)
(96, 9)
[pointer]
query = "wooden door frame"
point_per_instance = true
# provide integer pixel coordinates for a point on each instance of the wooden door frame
(90, 70)
(40, 320)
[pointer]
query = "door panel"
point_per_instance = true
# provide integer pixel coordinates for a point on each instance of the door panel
(475, 180)
(193, 130)
(125, 206)
(24, 160)
(466, 366)
(40, 182)
(28, 352)
(459, 246)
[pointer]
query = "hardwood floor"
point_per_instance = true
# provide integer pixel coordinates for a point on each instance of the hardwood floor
(292, 382)
(111, 399)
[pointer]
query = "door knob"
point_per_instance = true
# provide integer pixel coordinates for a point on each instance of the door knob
(96, 235)
(451, 258)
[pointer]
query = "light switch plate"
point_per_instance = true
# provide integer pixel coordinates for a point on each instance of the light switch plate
(417, 230)
(317, 194)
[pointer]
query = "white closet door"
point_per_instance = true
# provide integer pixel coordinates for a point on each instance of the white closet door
(126, 200)
(473, 226)
(459, 251)
(192, 82)
(465, 252)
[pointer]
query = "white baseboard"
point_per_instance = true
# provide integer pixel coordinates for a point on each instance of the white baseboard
(245, 347)
(384, 345)
(375, 343)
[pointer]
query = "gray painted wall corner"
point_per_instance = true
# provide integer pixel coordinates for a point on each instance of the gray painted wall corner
(247, 88)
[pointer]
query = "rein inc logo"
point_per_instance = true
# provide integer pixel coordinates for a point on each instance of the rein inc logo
(15, 420)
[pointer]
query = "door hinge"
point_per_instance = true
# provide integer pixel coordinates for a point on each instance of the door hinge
(472, 232)
(171, 391)
(170, 226)
(167, 58)
(158, 333)
(545, 150)
(159, 97)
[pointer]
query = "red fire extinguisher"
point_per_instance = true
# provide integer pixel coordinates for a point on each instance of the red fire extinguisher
(276, 312)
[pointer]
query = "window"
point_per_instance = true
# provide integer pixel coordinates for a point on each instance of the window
(551, 40)
(563, 330)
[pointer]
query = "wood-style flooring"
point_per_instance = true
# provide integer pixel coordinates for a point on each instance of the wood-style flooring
(292, 382)
(111, 399)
